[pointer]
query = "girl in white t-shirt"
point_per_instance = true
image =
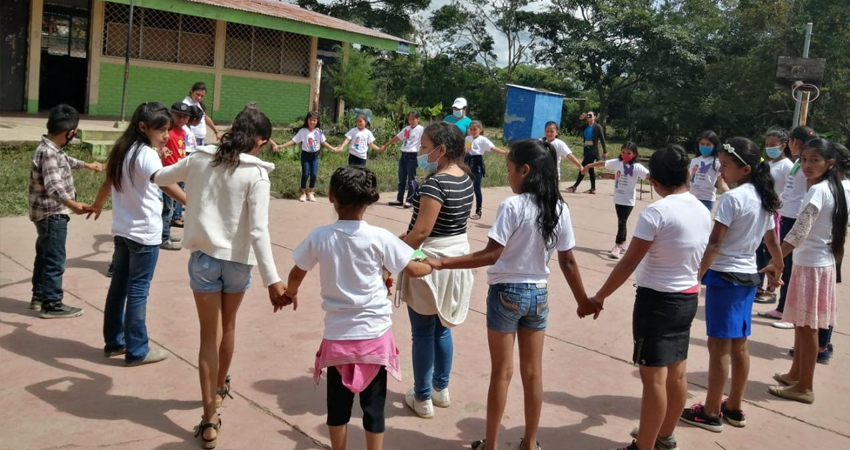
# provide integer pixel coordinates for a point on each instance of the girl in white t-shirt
(529, 227)
(777, 152)
(705, 170)
(817, 241)
(136, 230)
(627, 172)
(312, 141)
(792, 198)
(358, 349)
(665, 253)
(361, 141)
(728, 270)
(411, 140)
(550, 134)
(476, 145)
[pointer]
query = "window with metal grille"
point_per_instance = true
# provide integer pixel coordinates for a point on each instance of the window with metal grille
(265, 50)
(159, 35)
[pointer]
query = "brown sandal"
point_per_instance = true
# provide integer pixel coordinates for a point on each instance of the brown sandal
(571, 189)
(590, 191)
(208, 444)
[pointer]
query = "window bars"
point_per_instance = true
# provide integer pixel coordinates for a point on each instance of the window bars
(265, 50)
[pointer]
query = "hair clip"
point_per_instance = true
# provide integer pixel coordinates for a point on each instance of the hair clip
(731, 150)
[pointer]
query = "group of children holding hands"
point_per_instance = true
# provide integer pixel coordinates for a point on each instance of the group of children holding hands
(675, 247)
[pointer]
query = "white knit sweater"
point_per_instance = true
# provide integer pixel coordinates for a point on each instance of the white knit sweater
(227, 210)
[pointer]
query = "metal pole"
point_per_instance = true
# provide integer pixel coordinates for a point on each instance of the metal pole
(797, 95)
(127, 60)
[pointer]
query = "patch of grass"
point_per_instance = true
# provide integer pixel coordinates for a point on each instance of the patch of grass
(16, 161)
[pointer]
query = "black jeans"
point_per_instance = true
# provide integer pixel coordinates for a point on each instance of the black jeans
(356, 160)
(590, 156)
(49, 265)
(785, 224)
(372, 401)
(407, 176)
(623, 212)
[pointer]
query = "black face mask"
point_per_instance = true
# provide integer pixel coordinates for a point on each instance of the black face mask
(69, 136)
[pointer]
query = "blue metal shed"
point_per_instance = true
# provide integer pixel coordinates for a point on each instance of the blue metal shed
(528, 109)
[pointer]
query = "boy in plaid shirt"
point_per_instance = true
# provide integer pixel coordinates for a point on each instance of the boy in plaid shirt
(52, 200)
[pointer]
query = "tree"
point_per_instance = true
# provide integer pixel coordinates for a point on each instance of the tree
(390, 16)
(352, 79)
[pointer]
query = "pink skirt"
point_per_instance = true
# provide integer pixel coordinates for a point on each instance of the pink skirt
(811, 297)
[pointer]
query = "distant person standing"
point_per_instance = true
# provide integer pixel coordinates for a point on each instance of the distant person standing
(196, 98)
(593, 135)
(458, 117)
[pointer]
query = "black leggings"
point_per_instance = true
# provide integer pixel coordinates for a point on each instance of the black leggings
(623, 212)
(372, 401)
(590, 157)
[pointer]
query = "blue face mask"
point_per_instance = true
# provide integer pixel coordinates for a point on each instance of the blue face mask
(424, 164)
(773, 152)
(705, 151)
(458, 113)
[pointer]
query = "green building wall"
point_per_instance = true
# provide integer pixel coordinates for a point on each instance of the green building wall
(281, 101)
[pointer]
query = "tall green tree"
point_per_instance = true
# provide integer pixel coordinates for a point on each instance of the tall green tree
(390, 16)
(352, 80)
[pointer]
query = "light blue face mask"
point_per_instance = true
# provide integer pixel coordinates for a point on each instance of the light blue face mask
(458, 113)
(424, 164)
(705, 151)
(773, 152)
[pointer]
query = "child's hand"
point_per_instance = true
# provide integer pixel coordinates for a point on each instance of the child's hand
(276, 295)
(338, 149)
(774, 275)
(584, 170)
(389, 283)
(435, 263)
(93, 209)
(276, 148)
(94, 167)
(291, 298)
(589, 306)
(77, 207)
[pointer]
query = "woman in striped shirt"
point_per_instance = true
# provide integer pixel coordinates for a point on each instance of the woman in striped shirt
(440, 300)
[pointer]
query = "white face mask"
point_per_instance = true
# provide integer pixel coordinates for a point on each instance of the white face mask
(458, 113)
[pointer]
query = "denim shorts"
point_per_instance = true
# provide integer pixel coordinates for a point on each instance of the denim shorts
(513, 305)
(208, 275)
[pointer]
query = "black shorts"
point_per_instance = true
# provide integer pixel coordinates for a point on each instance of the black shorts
(372, 401)
(661, 326)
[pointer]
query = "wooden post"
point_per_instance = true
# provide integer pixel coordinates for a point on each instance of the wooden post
(317, 83)
(804, 109)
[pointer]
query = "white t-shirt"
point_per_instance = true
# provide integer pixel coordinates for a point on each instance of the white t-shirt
(779, 171)
(479, 145)
(311, 141)
(678, 226)
(625, 180)
(525, 258)
(137, 209)
(794, 193)
(563, 150)
(190, 140)
(740, 209)
(411, 138)
(359, 141)
(816, 250)
(200, 130)
(704, 172)
(351, 255)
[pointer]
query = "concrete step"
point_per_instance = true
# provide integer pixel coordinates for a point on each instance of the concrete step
(99, 148)
(100, 134)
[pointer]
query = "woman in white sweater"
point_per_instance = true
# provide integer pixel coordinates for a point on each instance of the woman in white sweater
(227, 230)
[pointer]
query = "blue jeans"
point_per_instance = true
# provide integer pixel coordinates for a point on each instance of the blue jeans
(406, 176)
(356, 160)
(167, 212)
(309, 167)
(127, 299)
(178, 207)
(708, 204)
(49, 265)
(432, 354)
(514, 305)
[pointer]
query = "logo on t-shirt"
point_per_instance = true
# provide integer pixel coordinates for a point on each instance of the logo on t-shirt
(357, 142)
(628, 169)
(468, 146)
(617, 179)
(312, 144)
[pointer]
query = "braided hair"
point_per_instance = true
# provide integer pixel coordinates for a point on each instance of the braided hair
(354, 187)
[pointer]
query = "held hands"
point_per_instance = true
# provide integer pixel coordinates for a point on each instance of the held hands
(278, 297)
(337, 149)
(94, 167)
(93, 209)
(77, 207)
(774, 274)
(164, 152)
(584, 170)
(435, 263)
(277, 148)
(589, 306)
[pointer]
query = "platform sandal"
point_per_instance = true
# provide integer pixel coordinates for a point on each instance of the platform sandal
(199, 431)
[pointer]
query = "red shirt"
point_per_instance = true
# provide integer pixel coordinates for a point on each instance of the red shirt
(177, 144)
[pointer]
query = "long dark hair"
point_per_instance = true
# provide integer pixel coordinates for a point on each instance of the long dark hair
(712, 137)
(827, 150)
(631, 146)
(802, 134)
(843, 160)
(354, 186)
(249, 125)
(669, 166)
(312, 114)
(155, 116)
(781, 135)
(760, 176)
(542, 183)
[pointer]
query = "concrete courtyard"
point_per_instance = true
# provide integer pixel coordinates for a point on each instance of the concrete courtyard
(58, 391)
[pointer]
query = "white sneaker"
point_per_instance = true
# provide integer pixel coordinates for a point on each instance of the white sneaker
(615, 252)
(623, 248)
(303, 198)
(441, 399)
(311, 197)
(424, 409)
(783, 325)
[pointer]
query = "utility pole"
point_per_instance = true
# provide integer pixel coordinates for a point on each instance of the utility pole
(798, 97)
(127, 60)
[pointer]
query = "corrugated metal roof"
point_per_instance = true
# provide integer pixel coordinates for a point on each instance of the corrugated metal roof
(292, 12)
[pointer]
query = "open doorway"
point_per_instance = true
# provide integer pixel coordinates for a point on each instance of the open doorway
(64, 54)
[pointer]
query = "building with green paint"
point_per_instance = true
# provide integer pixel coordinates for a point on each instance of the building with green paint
(266, 51)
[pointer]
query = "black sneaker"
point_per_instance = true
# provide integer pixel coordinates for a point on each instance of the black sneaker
(59, 310)
(35, 304)
(823, 357)
(632, 446)
(695, 415)
(735, 417)
(661, 443)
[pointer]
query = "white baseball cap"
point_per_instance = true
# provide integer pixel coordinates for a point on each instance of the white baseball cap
(459, 103)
